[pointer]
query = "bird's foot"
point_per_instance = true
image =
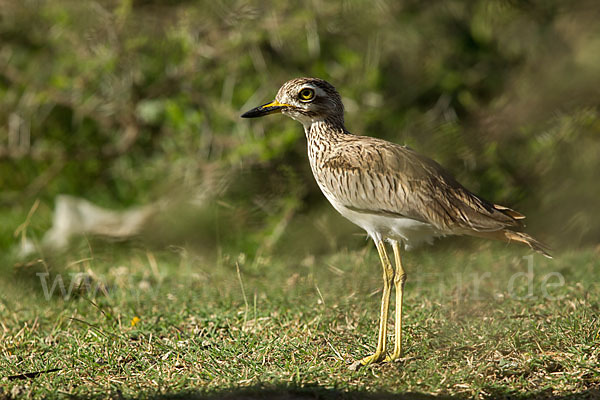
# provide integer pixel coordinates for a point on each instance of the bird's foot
(377, 357)
(395, 356)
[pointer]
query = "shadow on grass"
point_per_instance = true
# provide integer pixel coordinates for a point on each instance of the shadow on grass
(290, 393)
(317, 392)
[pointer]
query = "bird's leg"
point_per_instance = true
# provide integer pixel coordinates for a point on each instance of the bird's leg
(388, 276)
(399, 280)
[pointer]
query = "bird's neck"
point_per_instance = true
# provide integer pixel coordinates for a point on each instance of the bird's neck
(324, 129)
(322, 136)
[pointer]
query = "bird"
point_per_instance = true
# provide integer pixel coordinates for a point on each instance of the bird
(399, 197)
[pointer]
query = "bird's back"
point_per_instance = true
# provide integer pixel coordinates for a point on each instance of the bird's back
(378, 178)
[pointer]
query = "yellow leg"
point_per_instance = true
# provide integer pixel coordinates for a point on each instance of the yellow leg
(399, 280)
(388, 276)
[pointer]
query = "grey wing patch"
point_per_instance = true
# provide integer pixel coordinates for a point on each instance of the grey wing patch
(379, 177)
(384, 213)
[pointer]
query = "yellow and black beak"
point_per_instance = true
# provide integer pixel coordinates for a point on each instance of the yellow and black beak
(266, 109)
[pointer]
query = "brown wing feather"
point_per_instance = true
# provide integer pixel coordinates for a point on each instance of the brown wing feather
(375, 176)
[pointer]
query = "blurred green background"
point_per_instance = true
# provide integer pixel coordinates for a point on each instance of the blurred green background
(131, 102)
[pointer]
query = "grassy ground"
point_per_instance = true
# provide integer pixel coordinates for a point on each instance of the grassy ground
(170, 324)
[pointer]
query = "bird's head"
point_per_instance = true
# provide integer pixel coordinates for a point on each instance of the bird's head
(306, 100)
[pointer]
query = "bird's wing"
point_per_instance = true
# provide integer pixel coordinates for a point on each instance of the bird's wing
(378, 177)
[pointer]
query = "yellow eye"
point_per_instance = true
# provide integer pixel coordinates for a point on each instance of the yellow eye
(306, 94)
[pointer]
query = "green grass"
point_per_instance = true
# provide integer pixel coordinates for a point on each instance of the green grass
(288, 328)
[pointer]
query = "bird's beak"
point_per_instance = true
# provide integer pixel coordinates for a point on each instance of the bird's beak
(266, 109)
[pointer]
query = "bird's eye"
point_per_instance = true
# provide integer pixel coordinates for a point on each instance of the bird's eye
(306, 94)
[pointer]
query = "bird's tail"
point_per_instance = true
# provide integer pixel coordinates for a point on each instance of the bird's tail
(529, 241)
(509, 236)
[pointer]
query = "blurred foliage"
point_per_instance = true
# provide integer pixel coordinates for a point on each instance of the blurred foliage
(124, 102)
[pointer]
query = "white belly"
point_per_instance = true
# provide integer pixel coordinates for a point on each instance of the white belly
(380, 227)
